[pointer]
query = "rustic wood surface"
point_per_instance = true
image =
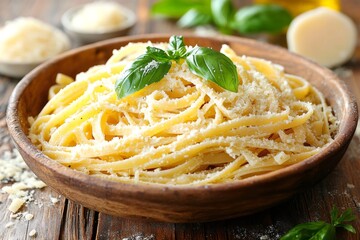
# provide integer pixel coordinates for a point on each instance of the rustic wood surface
(68, 220)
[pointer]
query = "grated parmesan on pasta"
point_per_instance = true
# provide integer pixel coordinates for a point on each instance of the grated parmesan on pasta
(182, 130)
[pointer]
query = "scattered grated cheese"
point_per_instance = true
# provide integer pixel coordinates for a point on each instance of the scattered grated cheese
(9, 224)
(54, 199)
(16, 204)
(13, 169)
(32, 233)
(29, 216)
(21, 183)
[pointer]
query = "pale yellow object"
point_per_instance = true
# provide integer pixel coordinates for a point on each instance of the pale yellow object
(16, 204)
(98, 17)
(182, 130)
(32, 233)
(323, 35)
(297, 7)
(29, 216)
(27, 40)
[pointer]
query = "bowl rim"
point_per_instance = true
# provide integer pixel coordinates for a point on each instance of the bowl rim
(130, 20)
(155, 190)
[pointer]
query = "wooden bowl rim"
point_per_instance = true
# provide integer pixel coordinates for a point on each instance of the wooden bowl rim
(346, 131)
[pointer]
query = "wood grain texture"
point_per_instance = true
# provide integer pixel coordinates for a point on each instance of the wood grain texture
(340, 187)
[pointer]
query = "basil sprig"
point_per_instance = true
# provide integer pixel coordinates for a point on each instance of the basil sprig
(321, 230)
(255, 18)
(152, 66)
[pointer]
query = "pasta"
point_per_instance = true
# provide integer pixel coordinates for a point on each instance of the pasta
(182, 130)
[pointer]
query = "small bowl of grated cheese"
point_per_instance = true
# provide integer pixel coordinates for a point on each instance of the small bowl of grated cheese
(26, 42)
(98, 21)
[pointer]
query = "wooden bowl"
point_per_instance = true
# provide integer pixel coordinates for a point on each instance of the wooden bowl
(179, 203)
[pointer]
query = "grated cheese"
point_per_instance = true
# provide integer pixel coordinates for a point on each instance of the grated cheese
(9, 224)
(14, 170)
(54, 199)
(24, 40)
(32, 233)
(21, 183)
(16, 204)
(29, 216)
(98, 17)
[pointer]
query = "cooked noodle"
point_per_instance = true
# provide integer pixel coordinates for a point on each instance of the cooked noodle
(182, 130)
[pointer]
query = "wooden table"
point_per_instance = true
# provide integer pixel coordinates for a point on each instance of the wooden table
(68, 220)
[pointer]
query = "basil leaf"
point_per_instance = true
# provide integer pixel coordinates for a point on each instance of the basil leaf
(334, 215)
(303, 231)
(321, 230)
(347, 227)
(157, 54)
(325, 233)
(193, 18)
(222, 12)
(155, 63)
(346, 216)
(177, 8)
(176, 47)
(261, 18)
(142, 72)
(213, 66)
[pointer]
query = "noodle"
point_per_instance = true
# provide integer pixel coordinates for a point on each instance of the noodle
(182, 130)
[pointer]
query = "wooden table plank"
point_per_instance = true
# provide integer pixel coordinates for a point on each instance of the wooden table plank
(68, 220)
(78, 222)
(123, 228)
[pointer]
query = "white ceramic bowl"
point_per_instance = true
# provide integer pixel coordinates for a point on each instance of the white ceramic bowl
(89, 37)
(17, 69)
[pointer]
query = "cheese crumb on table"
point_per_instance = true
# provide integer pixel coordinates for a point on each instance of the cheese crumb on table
(54, 199)
(32, 233)
(323, 35)
(21, 183)
(29, 216)
(9, 224)
(16, 204)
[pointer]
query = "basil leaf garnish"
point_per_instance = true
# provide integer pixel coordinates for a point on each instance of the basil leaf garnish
(261, 18)
(213, 66)
(158, 54)
(142, 72)
(177, 47)
(152, 66)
